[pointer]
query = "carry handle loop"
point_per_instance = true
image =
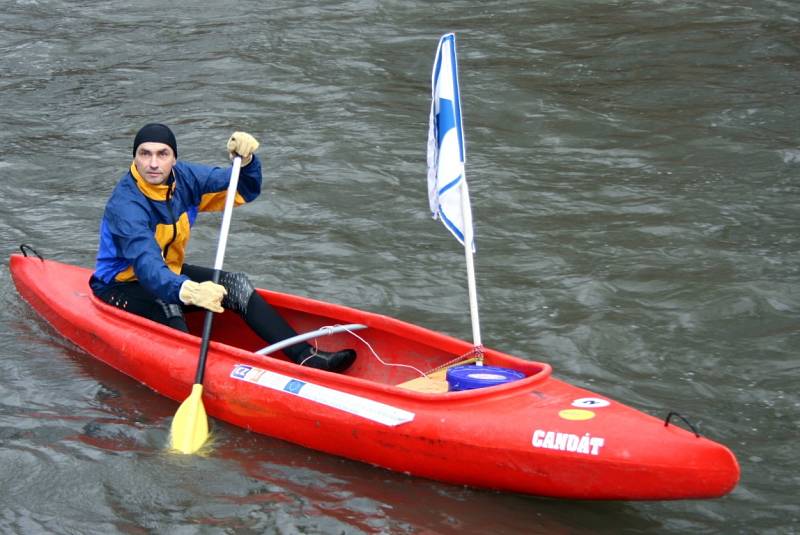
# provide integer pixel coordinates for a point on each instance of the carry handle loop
(25, 248)
(687, 422)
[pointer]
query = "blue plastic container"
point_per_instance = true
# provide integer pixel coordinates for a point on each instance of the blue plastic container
(470, 376)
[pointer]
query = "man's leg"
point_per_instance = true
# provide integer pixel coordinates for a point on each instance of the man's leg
(265, 320)
(132, 297)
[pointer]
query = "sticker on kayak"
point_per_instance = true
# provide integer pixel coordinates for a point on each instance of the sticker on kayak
(590, 403)
(576, 415)
(553, 440)
(357, 405)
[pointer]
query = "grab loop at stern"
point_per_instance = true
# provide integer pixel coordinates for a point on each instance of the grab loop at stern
(25, 248)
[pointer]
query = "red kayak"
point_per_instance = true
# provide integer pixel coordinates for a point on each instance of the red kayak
(402, 405)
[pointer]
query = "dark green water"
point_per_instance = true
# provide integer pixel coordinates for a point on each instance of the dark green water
(634, 172)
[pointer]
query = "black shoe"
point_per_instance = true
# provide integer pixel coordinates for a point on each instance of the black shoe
(332, 361)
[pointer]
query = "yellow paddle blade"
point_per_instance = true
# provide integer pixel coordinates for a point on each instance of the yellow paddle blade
(190, 425)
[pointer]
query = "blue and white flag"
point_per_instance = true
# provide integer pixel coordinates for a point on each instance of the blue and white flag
(447, 184)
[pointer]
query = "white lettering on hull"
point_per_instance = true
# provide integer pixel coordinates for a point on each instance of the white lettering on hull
(554, 440)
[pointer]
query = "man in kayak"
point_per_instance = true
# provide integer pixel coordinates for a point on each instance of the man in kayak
(145, 230)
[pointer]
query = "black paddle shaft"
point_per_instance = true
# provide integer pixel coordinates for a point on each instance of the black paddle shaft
(207, 323)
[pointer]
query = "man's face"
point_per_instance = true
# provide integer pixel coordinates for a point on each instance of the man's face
(154, 162)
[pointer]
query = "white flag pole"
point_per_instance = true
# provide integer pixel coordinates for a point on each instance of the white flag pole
(471, 285)
(469, 233)
(447, 183)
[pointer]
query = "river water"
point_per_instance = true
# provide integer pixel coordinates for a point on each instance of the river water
(633, 167)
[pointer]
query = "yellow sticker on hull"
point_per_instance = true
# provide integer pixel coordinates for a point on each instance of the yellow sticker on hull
(576, 414)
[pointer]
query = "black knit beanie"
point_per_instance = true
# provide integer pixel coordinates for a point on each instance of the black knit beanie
(155, 133)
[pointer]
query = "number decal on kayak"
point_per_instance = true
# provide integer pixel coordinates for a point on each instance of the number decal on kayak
(591, 403)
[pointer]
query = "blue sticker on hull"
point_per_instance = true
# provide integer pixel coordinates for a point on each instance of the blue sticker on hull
(240, 371)
(294, 386)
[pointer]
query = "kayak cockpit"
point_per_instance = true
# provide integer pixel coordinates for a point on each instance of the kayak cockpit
(390, 352)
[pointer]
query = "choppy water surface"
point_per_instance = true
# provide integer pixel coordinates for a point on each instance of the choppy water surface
(634, 174)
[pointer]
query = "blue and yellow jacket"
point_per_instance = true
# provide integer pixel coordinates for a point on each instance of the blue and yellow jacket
(145, 228)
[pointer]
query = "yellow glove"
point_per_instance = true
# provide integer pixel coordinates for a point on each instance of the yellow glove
(244, 145)
(203, 294)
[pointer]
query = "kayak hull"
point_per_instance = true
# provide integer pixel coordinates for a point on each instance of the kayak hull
(537, 435)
